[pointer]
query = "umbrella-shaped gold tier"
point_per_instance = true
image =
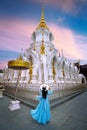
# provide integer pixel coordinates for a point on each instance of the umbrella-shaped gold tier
(18, 64)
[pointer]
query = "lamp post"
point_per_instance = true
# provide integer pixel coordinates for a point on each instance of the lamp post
(18, 64)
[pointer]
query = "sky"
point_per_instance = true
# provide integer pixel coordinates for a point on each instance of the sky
(66, 19)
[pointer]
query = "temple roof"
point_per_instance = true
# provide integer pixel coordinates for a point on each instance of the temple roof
(18, 64)
(42, 21)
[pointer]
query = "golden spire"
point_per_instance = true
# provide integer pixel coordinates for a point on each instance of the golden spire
(42, 21)
(42, 17)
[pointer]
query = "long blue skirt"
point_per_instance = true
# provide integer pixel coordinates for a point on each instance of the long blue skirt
(42, 112)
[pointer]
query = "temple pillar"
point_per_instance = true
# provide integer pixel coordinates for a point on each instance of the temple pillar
(34, 74)
(50, 75)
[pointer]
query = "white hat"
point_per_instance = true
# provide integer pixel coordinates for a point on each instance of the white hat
(44, 86)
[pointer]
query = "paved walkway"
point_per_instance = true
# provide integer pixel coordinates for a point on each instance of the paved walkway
(72, 115)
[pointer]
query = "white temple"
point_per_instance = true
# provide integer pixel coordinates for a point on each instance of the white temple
(45, 63)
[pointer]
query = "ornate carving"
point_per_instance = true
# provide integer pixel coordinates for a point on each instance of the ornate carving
(42, 49)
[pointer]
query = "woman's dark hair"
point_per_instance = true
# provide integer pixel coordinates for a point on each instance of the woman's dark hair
(44, 92)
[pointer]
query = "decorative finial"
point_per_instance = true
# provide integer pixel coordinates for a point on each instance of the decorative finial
(20, 56)
(42, 16)
(42, 21)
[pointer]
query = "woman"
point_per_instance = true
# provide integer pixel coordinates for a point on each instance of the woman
(42, 112)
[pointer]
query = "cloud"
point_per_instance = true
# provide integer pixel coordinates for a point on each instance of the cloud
(81, 38)
(68, 6)
(65, 39)
(82, 44)
(15, 35)
(60, 20)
